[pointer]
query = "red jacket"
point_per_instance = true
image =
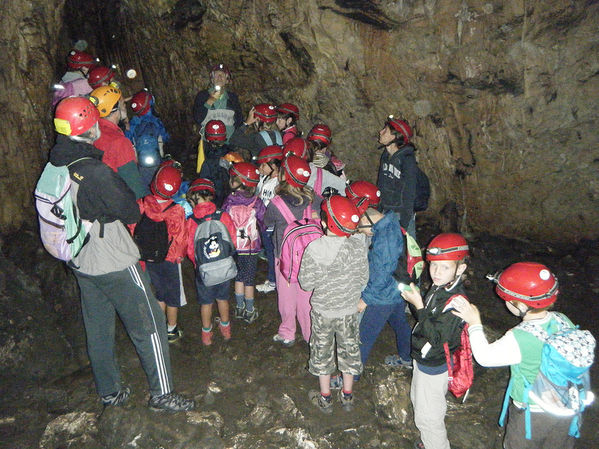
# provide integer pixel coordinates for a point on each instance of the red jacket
(174, 217)
(118, 150)
(200, 211)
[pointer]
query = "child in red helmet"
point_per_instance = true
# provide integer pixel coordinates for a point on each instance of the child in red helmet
(200, 195)
(74, 82)
(447, 256)
(269, 160)
(335, 267)
(293, 301)
(247, 212)
(287, 117)
(166, 276)
(259, 130)
(529, 290)
(320, 138)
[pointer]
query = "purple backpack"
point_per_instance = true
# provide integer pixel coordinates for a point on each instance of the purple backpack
(296, 237)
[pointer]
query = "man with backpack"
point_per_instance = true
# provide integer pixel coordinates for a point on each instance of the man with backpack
(404, 187)
(549, 360)
(107, 267)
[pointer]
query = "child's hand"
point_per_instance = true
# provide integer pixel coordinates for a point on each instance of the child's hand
(413, 296)
(466, 311)
(361, 305)
(251, 117)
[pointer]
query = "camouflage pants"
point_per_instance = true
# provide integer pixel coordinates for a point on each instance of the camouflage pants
(325, 332)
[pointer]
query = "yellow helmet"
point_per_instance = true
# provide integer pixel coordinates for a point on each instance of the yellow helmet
(105, 98)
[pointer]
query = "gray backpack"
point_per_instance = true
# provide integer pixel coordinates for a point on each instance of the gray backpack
(213, 250)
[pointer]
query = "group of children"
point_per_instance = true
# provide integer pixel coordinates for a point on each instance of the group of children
(332, 252)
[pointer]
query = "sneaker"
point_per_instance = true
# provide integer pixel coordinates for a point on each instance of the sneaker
(395, 360)
(225, 331)
(171, 402)
(336, 382)
(283, 341)
(419, 444)
(118, 398)
(174, 335)
(346, 402)
(266, 287)
(239, 312)
(250, 317)
(324, 405)
(207, 337)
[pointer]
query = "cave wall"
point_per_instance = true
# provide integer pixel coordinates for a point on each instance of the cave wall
(502, 94)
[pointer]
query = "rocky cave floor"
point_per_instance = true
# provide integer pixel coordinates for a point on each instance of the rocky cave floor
(252, 393)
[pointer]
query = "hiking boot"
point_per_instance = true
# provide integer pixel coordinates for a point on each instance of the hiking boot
(239, 312)
(266, 287)
(283, 341)
(324, 405)
(346, 402)
(171, 402)
(174, 335)
(250, 317)
(397, 361)
(225, 331)
(419, 444)
(207, 337)
(118, 398)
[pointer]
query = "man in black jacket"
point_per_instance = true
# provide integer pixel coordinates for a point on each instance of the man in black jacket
(107, 268)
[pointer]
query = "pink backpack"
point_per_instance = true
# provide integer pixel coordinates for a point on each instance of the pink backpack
(296, 237)
(246, 225)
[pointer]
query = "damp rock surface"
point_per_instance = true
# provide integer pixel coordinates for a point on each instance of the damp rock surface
(251, 392)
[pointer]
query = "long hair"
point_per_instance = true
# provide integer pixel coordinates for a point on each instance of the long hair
(300, 194)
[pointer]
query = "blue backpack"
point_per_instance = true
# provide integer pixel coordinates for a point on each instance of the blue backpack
(562, 386)
(145, 139)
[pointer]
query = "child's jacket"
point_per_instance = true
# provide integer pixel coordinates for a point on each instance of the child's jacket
(435, 327)
(385, 250)
(336, 268)
(174, 217)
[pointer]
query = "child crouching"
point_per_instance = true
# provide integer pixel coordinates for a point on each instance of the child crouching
(335, 266)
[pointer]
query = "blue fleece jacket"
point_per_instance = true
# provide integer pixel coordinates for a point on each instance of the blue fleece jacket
(386, 247)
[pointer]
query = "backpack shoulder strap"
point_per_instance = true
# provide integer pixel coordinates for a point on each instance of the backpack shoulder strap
(266, 137)
(283, 209)
(307, 212)
(318, 183)
(278, 137)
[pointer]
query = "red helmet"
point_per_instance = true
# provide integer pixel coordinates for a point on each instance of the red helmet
(215, 131)
(362, 203)
(78, 59)
(447, 247)
(246, 172)
(359, 189)
(401, 127)
(220, 68)
(171, 163)
(288, 109)
(201, 184)
(270, 153)
(320, 133)
(342, 215)
(529, 282)
(75, 115)
(99, 75)
(265, 112)
(141, 102)
(296, 146)
(297, 171)
(166, 182)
